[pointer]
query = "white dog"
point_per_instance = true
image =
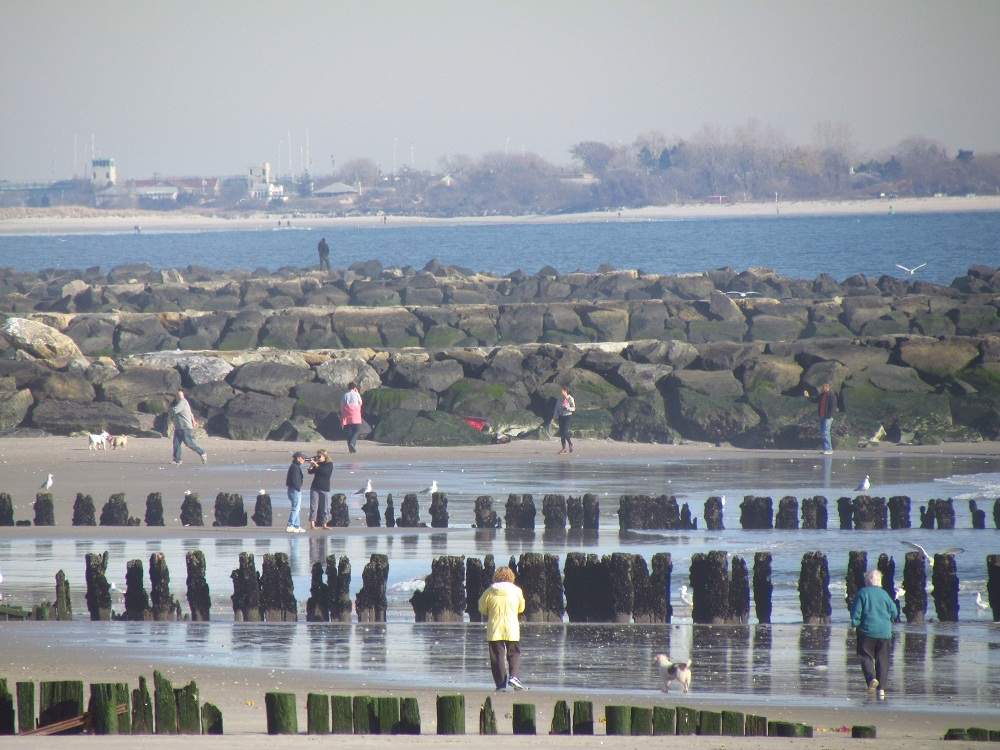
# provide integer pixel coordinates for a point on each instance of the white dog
(99, 442)
(670, 671)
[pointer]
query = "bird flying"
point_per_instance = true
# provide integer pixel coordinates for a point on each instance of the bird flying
(742, 295)
(366, 489)
(47, 484)
(980, 602)
(910, 271)
(930, 558)
(430, 490)
(864, 485)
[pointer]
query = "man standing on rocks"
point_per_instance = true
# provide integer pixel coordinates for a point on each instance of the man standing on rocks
(827, 403)
(324, 255)
(293, 485)
(184, 426)
(350, 415)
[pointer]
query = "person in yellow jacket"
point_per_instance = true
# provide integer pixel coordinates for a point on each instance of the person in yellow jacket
(501, 603)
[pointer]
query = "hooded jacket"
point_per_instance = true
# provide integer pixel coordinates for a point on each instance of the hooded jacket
(501, 603)
(873, 612)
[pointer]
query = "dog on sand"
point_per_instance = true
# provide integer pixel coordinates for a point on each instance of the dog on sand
(98, 442)
(670, 671)
(119, 441)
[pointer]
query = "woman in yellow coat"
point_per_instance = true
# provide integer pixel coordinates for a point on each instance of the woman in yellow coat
(500, 604)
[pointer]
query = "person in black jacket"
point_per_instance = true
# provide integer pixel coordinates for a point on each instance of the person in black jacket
(293, 484)
(319, 493)
(826, 405)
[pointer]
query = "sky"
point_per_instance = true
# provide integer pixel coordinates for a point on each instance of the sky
(210, 88)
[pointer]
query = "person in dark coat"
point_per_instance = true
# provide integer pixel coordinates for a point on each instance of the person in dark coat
(873, 613)
(319, 492)
(324, 255)
(293, 485)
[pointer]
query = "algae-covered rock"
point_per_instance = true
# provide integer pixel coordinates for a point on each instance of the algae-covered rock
(643, 419)
(425, 428)
(938, 359)
(381, 401)
(476, 398)
(252, 416)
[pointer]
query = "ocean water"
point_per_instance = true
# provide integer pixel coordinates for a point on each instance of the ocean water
(800, 247)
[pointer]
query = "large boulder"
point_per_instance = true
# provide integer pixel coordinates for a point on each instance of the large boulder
(853, 355)
(14, 407)
(63, 386)
(642, 419)
(380, 401)
(521, 324)
(978, 405)
(426, 428)
(637, 378)
(95, 336)
(316, 401)
(477, 398)
(142, 334)
(253, 416)
(777, 372)
(200, 370)
(67, 417)
(786, 421)
(867, 406)
(428, 376)
(589, 390)
(938, 360)
(209, 399)
(722, 307)
(340, 371)
(39, 340)
(142, 388)
(272, 378)
(704, 405)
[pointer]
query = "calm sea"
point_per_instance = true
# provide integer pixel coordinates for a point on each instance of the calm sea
(796, 246)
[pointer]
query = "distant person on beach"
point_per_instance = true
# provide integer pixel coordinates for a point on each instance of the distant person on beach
(500, 604)
(324, 255)
(319, 492)
(826, 406)
(350, 415)
(184, 427)
(873, 613)
(562, 414)
(293, 485)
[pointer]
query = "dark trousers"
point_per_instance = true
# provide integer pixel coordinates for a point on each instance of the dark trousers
(505, 661)
(353, 430)
(565, 436)
(184, 437)
(324, 262)
(874, 653)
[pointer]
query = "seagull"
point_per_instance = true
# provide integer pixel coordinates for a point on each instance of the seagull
(261, 491)
(430, 490)
(900, 592)
(910, 271)
(187, 492)
(366, 489)
(930, 558)
(47, 484)
(864, 485)
(980, 603)
(686, 598)
(742, 295)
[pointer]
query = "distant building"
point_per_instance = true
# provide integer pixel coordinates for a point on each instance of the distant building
(103, 173)
(335, 190)
(260, 185)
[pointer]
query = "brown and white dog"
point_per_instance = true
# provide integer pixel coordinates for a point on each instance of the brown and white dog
(119, 441)
(670, 671)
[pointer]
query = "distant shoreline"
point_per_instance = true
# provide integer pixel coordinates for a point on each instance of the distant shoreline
(82, 220)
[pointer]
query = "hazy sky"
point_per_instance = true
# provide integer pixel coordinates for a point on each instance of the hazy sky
(212, 87)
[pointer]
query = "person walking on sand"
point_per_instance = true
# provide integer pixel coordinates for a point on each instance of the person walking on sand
(563, 412)
(319, 492)
(293, 485)
(324, 255)
(501, 603)
(184, 426)
(873, 613)
(350, 415)
(826, 404)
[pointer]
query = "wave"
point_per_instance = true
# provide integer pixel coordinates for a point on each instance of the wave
(407, 587)
(985, 485)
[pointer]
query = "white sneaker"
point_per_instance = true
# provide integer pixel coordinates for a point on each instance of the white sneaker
(827, 453)
(204, 458)
(516, 684)
(873, 684)
(881, 694)
(290, 529)
(299, 530)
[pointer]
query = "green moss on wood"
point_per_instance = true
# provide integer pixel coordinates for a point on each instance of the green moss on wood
(282, 717)
(583, 717)
(641, 721)
(523, 721)
(451, 714)
(664, 720)
(341, 714)
(617, 720)
(211, 719)
(409, 716)
(562, 723)
(317, 714)
(709, 722)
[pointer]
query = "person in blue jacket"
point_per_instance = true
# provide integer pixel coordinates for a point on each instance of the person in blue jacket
(873, 613)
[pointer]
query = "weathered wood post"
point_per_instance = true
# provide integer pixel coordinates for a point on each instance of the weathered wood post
(372, 511)
(318, 604)
(409, 511)
(944, 514)
(136, 598)
(762, 586)
(619, 568)
(710, 586)
(229, 510)
(439, 510)
(188, 714)
(788, 513)
(978, 515)
(59, 700)
(263, 512)
(857, 566)
(8, 715)
(370, 603)
(98, 588)
(814, 514)
(523, 718)
(409, 716)
(845, 509)
(246, 590)
(443, 596)
(317, 712)
(944, 577)
(142, 709)
(592, 512)
(993, 584)
(115, 512)
(478, 577)
(451, 714)
(583, 717)
(487, 718)
(277, 594)
(519, 512)
(340, 515)
(814, 589)
(686, 521)
(84, 513)
(341, 714)
(996, 513)
(713, 514)
(899, 512)
(154, 509)
(164, 704)
(756, 512)
(6, 509)
(198, 595)
(554, 512)
(915, 583)
(739, 592)
(486, 517)
(162, 602)
(870, 512)
(25, 706)
(617, 720)
(562, 722)
(211, 719)
(64, 606)
(390, 512)
(281, 714)
(191, 514)
(659, 584)
(44, 511)
(338, 581)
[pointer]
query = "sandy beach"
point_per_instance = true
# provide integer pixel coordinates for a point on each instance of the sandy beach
(78, 219)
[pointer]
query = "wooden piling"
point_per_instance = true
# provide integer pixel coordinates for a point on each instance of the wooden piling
(863, 732)
(756, 512)
(44, 511)
(450, 714)
(409, 512)
(136, 599)
(788, 513)
(640, 721)
(372, 511)
(687, 720)
(857, 566)
(191, 513)
(387, 711)
(899, 512)
(365, 716)
(25, 706)
(154, 509)
(98, 588)
(282, 717)
(162, 603)
(340, 516)
(739, 592)
(115, 512)
(341, 714)
(390, 512)
(562, 723)
(370, 603)
(733, 724)
(762, 586)
(523, 718)
(978, 515)
(123, 698)
(277, 594)
(485, 516)
(944, 578)
(84, 513)
(814, 589)
(164, 704)
(198, 595)
(713, 514)
(439, 510)
(229, 510)
(102, 708)
(664, 721)
(583, 717)
(617, 720)
(211, 719)
(263, 512)
(409, 716)
(814, 513)
(188, 711)
(755, 726)
(554, 512)
(993, 585)
(710, 585)
(142, 709)
(709, 722)
(487, 718)
(7, 713)
(246, 590)
(519, 513)
(6, 509)
(915, 584)
(63, 604)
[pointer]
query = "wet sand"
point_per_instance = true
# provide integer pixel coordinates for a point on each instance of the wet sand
(79, 219)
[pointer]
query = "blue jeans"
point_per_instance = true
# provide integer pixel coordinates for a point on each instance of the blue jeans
(353, 430)
(184, 437)
(295, 498)
(824, 427)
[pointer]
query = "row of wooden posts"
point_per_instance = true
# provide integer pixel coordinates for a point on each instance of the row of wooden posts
(559, 512)
(112, 708)
(620, 587)
(343, 714)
